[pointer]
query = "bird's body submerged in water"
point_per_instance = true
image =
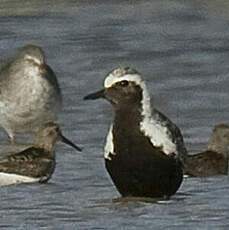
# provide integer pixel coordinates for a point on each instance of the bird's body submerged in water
(36, 163)
(29, 92)
(144, 149)
(214, 160)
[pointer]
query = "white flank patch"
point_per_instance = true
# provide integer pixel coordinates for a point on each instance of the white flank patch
(152, 128)
(109, 146)
(10, 178)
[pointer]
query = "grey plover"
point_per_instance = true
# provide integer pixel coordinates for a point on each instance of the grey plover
(143, 148)
(36, 163)
(29, 92)
(214, 160)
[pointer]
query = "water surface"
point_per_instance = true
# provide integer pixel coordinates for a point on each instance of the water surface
(182, 50)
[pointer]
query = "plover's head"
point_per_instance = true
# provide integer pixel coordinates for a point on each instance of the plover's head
(219, 140)
(122, 87)
(32, 54)
(49, 135)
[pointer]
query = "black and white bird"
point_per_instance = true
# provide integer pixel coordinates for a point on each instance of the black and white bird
(144, 149)
(214, 160)
(36, 163)
(29, 92)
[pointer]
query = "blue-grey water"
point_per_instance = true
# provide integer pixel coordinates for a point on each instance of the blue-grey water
(182, 50)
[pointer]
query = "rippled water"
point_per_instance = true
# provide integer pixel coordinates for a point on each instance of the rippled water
(181, 48)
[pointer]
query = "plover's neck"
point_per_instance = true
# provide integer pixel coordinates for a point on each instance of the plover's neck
(127, 121)
(137, 111)
(128, 116)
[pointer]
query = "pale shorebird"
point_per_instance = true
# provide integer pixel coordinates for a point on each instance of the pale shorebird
(214, 160)
(36, 163)
(144, 149)
(29, 92)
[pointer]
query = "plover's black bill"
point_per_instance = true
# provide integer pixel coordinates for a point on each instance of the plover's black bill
(68, 142)
(96, 95)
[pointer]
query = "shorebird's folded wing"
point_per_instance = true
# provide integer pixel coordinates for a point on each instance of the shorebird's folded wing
(30, 162)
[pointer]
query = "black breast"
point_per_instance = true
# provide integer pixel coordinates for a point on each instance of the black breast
(139, 168)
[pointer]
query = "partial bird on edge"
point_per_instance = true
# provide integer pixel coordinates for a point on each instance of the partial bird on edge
(214, 160)
(29, 92)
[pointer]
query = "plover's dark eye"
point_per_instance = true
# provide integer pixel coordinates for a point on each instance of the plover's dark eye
(124, 83)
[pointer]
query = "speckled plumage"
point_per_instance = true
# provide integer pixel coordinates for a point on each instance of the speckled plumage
(32, 162)
(36, 163)
(29, 92)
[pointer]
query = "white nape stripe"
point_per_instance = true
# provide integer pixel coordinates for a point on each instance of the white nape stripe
(157, 132)
(109, 146)
(10, 179)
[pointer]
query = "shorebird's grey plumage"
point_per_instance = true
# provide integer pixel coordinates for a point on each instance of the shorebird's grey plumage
(36, 163)
(29, 92)
(144, 149)
(214, 160)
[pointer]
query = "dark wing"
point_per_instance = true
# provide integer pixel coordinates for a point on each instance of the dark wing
(32, 162)
(207, 163)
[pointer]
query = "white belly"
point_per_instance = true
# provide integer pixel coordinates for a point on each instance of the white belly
(10, 178)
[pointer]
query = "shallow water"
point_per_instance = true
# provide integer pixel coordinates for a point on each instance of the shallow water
(182, 51)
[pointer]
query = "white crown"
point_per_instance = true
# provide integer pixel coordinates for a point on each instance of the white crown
(121, 74)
